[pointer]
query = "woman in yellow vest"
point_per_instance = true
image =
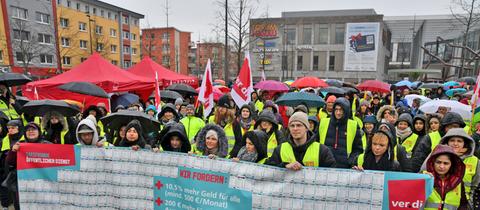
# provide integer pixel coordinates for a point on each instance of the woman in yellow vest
(464, 146)
(14, 135)
(267, 123)
(224, 118)
(7, 103)
(243, 122)
(369, 125)
(405, 136)
(212, 142)
(447, 170)
(255, 149)
(380, 154)
(434, 122)
(56, 129)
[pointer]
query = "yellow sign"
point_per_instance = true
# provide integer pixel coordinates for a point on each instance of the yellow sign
(267, 61)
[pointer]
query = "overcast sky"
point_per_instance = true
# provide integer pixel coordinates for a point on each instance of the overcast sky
(197, 16)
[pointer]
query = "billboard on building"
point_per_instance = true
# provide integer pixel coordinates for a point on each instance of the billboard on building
(361, 46)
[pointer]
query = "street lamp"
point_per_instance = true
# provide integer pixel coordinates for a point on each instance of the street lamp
(90, 31)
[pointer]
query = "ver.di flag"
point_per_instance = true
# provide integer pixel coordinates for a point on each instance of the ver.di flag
(205, 94)
(158, 102)
(243, 86)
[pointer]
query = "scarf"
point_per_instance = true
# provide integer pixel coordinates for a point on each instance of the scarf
(246, 123)
(244, 155)
(403, 134)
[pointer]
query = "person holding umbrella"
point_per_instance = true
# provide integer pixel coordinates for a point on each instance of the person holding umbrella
(56, 128)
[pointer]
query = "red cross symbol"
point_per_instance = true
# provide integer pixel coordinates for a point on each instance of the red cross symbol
(158, 201)
(159, 184)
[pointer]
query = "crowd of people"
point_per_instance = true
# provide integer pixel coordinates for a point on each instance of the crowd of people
(358, 131)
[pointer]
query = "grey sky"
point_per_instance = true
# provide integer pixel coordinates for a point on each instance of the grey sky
(197, 16)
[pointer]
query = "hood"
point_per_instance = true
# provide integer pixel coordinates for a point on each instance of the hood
(168, 107)
(406, 117)
(175, 129)
(382, 109)
(391, 128)
(391, 144)
(96, 109)
(222, 139)
(451, 118)
(151, 107)
(370, 119)
(422, 118)
(459, 132)
(46, 120)
(267, 115)
(88, 122)
(140, 141)
(314, 119)
(259, 139)
(457, 169)
(270, 103)
(245, 106)
(345, 104)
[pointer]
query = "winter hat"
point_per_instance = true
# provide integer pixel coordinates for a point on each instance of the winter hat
(32, 125)
(370, 119)
(190, 106)
(331, 99)
(178, 101)
(151, 107)
(365, 103)
(212, 133)
(17, 123)
(301, 108)
(405, 117)
(224, 101)
(300, 117)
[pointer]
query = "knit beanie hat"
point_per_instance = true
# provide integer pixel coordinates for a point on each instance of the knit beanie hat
(178, 101)
(300, 117)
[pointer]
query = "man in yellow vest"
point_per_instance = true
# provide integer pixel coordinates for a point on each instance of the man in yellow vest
(430, 141)
(7, 103)
(301, 148)
(341, 134)
(13, 136)
(191, 123)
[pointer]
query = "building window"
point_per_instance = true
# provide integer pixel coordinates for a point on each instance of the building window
(125, 20)
(83, 59)
(166, 59)
(42, 18)
(83, 44)
(69, 4)
(1, 55)
(78, 6)
(59, 2)
(98, 29)
(165, 35)
(291, 34)
(152, 36)
(331, 63)
(65, 42)
(322, 37)
(126, 49)
(44, 38)
(403, 52)
(46, 59)
(116, 17)
(87, 9)
(134, 37)
(20, 13)
(315, 63)
(307, 35)
(99, 47)
(134, 51)
(66, 60)
(126, 64)
(64, 22)
(339, 34)
(23, 58)
(114, 62)
(82, 26)
(299, 63)
(102, 13)
(113, 32)
(126, 35)
(21, 35)
(135, 22)
(94, 11)
(113, 48)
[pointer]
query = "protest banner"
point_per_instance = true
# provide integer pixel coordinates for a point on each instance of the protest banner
(79, 177)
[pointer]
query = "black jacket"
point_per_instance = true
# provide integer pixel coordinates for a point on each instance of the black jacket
(325, 159)
(338, 143)
(175, 129)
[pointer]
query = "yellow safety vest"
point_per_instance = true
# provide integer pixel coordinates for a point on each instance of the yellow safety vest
(312, 111)
(230, 136)
(262, 161)
(434, 139)
(354, 106)
(6, 143)
(351, 132)
(272, 143)
(192, 125)
(470, 171)
(309, 159)
(451, 202)
(321, 115)
(259, 105)
(409, 143)
(359, 121)
(364, 141)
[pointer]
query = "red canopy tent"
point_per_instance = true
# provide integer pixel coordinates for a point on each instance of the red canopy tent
(147, 68)
(97, 71)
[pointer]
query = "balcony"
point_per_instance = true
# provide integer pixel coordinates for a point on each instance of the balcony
(125, 27)
(127, 57)
(126, 42)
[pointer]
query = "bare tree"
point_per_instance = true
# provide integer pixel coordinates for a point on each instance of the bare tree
(239, 14)
(468, 17)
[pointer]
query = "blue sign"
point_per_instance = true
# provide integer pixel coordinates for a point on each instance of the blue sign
(198, 189)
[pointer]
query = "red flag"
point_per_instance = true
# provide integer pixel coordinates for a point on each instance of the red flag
(243, 86)
(205, 94)
(158, 100)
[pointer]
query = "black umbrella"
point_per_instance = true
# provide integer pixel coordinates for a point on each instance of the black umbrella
(14, 79)
(332, 90)
(118, 119)
(350, 90)
(182, 89)
(468, 80)
(21, 100)
(334, 82)
(168, 94)
(41, 107)
(430, 85)
(85, 88)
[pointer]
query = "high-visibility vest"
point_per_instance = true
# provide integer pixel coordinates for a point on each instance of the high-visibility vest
(434, 139)
(351, 132)
(8, 110)
(409, 143)
(312, 111)
(259, 105)
(364, 141)
(192, 126)
(309, 159)
(230, 136)
(272, 143)
(451, 202)
(322, 115)
(470, 171)
(359, 121)
(6, 143)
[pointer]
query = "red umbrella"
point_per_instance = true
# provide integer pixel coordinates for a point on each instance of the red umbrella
(374, 86)
(272, 85)
(217, 93)
(309, 82)
(222, 88)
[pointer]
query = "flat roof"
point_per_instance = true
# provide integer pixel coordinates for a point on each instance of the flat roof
(329, 13)
(107, 5)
